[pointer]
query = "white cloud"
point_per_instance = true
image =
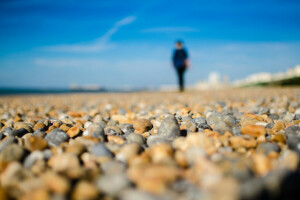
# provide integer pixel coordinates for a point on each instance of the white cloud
(99, 44)
(46, 62)
(169, 29)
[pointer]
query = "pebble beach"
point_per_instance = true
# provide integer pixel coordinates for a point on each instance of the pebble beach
(223, 144)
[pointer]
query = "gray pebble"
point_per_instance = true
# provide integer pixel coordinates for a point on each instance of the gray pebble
(113, 167)
(169, 128)
(127, 128)
(221, 127)
(133, 137)
(112, 184)
(39, 132)
(101, 150)
(268, 147)
(56, 137)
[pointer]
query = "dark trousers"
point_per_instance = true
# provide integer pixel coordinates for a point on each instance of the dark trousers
(180, 73)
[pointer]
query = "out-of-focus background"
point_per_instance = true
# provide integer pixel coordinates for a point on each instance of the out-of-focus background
(127, 45)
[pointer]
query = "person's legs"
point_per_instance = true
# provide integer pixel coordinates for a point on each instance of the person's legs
(180, 72)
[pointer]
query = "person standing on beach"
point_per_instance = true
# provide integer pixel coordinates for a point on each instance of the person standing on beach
(180, 63)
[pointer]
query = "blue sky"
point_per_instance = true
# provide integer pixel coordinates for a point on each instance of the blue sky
(54, 43)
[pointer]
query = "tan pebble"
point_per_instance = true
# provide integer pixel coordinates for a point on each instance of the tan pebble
(19, 125)
(84, 190)
(253, 130)
(34, 143)
(67, 121)
(76, 148)
(240, 141)
(65, 127)
(142, 125)
(115, 139)
(261, 163)
(142, 159)
(56, 183)
(38, 167)
(51, 128)
(261, 139)
(3, 195)
(180, 159)
(250, 119)
(39, 125)
(120, 118)
(279, 137)
(128, 151)
(290, 160)
(185, 111)
(73, 132)
(161, 153)
(64, 162)
(56, 124)
(36, 195)
(75, 114)
(153, 178)
(279, 125)
(17, 119)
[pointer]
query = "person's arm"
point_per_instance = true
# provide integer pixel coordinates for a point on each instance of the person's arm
(186, 60)
(174, 58)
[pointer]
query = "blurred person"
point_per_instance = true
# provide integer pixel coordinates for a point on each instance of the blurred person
(180, 62)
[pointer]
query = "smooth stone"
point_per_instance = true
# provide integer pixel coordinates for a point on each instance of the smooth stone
(20, 132)
(112, 184)
(191, 126)
(292, 131)
(266, 148)
(137, 138)
(213, 117)
(221, 127)
(155, 139)
(288, 117)
(270, 125)
(19, 125)
(199, 120)
(32, 158)
(113, 130)
(186, 119)
(7, 141)
(135, 194)
(96, 131)
(253, 130)
(101, 150)
(11, 153)
(252, 189)
(8, 131)
(127, 128)
(204, 126)
(274, 116)
(128, 151)
(56, 137)
(229, 119)
(236, 131)
(85, 190)
(39, 132)
(113, 167)
(264, 111)
(142, 125)
(169, 128)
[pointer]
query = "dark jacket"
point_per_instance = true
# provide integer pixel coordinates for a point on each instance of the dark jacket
(179, 57)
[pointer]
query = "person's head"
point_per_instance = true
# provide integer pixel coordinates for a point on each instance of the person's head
(179, 44)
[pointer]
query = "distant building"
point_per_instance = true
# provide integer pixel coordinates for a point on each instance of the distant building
(214, 82)
(268, 78)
